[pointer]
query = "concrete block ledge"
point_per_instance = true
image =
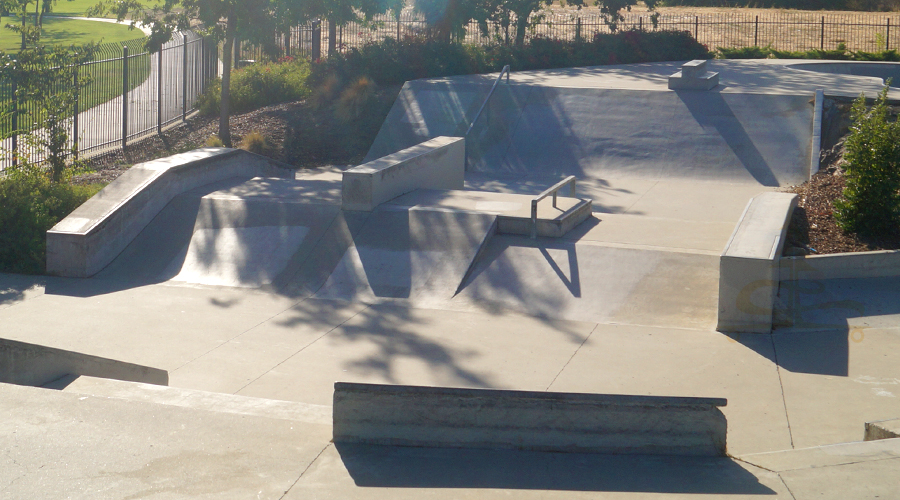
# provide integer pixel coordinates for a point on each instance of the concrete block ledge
(542, 421)
(93, 235)
(877, 264)
(437, 163)
(749, 265)
(22, 363)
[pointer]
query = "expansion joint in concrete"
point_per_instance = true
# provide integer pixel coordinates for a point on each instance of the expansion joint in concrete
(572, 356)
(781, 386)
(303, 348)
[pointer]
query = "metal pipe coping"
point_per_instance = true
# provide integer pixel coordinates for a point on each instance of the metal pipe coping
(552, 190)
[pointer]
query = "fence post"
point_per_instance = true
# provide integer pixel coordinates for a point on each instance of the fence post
(640, 23)
(696, 27)
(822, 44)
(159, 92)
(578, 29)
(75, 113)
(398, 25)
(756, 32)
(887, 38)
(124, 97)
(317, 40)
(184, 77)
(15, 118)
(332, 37)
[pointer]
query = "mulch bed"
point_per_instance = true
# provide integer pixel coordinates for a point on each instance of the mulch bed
(812, 228)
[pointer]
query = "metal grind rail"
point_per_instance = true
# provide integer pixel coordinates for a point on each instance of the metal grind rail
(551, 191)
(481, 109)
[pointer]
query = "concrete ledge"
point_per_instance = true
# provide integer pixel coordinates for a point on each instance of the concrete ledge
(31, 364)
(878, 264)
(883, 429)
(693, 76)
(438, 163)
(96, 232)
(749, 265)
(478, 418)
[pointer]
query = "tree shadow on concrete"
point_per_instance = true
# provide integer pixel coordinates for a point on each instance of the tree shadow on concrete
(400, 467)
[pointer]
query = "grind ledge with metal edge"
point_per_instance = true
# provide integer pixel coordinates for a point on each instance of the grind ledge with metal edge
(445, 417)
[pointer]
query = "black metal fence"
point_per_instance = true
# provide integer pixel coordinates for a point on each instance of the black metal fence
(132, 93)
(781, 30)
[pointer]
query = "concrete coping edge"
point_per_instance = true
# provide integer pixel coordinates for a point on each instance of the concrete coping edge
(607, 399)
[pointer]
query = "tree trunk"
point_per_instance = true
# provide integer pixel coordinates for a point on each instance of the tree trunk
(521, 26)
(225, 97)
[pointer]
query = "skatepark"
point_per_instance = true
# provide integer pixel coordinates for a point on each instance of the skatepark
(204, 306)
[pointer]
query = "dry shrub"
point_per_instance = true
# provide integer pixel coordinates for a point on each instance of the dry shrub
(255, 142)
(214, 142)
(354, 99)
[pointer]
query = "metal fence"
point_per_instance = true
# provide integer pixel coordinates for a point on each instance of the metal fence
(132, 93)
(781, 30)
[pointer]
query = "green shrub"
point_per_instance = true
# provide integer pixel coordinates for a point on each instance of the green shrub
(254, 142)
(840, 53)
(214, 142)
(392, 62)
(259, 85)
(32, 205)
(870, 205)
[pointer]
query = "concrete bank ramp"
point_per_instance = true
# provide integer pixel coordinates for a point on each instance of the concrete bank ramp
(530, 129)
(293, 237)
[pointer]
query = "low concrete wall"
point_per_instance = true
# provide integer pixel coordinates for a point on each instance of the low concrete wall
(31, 364)
(438, 163)
(878, 264)
(96, 232)
(477, 418)
(749, 265)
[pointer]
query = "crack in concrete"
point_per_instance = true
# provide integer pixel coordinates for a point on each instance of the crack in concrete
(304, 470)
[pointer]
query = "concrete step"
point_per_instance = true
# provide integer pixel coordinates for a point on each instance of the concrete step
(199, 400)
(826, 456)
(60, 445)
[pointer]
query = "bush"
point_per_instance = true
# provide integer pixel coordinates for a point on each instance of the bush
(392, 62)
(259, 85)
(32, 205)
(870, 205)
(840, 53)
(254, 142)
(214, 142)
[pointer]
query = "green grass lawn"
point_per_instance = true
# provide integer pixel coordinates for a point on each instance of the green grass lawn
(69, 31)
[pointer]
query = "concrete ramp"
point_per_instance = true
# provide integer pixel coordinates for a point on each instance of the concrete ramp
(555, 130)
(235, 233)
(419, 254)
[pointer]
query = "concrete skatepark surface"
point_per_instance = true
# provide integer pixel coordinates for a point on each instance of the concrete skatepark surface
(256, 295)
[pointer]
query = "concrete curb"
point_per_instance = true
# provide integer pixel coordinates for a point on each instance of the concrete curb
(749, 265)
(542, 421)
(437, 163)
(94, 234)
(877, 264)
(22, 363)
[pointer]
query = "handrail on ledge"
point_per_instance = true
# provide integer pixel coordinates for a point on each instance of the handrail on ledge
(552, 190)
(488, 98)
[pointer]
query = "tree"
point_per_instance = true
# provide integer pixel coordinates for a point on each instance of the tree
(29, 34)
(48, 78)
(223, 19)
